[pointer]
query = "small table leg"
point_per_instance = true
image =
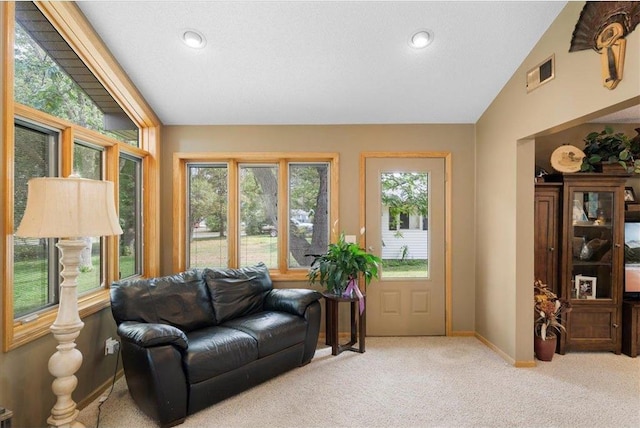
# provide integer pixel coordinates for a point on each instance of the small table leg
(328, 325)
(354, 326)
(362, 327)
(334, 328)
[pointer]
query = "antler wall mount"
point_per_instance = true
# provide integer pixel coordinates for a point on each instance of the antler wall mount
(602, 26)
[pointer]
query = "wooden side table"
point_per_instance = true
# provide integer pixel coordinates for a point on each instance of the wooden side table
(358, 324)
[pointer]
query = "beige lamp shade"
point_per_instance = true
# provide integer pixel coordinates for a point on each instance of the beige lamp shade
(69, 208)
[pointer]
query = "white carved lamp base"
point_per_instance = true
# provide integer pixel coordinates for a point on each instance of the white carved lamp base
(66, 361)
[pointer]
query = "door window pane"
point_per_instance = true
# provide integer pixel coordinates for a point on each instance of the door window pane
(308, 212)
(130, 195)
(207, 216)
(34, 282)
(258, 215)
(405, 235)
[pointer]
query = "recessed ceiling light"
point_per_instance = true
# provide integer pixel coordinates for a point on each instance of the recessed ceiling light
(421, 39)
(193, 39)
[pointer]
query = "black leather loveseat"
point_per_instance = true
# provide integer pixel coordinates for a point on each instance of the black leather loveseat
(192, 339)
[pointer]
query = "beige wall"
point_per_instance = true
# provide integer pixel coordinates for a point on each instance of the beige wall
(349, 142)
(505, 167)
(25, 382)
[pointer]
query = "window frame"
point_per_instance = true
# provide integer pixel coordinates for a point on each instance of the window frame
(127, 152)
(181, 163)
(67, 19)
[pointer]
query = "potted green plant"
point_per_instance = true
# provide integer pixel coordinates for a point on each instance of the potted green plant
(548, 310)
(609, 148)
(342, 263)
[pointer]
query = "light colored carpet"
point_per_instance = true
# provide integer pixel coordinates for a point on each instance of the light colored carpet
(420, 382)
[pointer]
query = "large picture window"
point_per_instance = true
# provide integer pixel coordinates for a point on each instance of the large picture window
(251, 209)
(67, 123)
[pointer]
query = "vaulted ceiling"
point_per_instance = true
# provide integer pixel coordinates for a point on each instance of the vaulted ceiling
(320, 62)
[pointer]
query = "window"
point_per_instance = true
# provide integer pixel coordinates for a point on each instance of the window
(66, 122)
(130, 204)
(308, 212)
(253, 208)
(50, 77)
(207, 218)
(405, 234)
(88, 163)
(36, 155)
(258, 213)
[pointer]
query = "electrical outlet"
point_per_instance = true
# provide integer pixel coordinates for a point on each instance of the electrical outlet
(111, 346)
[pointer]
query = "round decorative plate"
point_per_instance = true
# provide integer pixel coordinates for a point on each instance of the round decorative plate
(567, 158)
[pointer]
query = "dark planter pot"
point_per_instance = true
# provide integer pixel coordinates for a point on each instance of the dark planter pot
(612, 168)
(544, 349)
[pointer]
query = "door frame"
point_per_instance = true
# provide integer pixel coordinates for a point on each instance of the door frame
(447, 217)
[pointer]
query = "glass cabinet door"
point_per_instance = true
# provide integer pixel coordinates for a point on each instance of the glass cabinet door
(592, 241)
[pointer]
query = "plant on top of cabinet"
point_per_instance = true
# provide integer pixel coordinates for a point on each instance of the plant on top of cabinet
(613, 148)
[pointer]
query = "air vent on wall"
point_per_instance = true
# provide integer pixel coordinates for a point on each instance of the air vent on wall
(541, 73)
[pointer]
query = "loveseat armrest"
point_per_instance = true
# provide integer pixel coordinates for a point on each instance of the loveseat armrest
(147, 334)
(292, 300)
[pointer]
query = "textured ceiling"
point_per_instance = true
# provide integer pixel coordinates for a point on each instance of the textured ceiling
(318, 62)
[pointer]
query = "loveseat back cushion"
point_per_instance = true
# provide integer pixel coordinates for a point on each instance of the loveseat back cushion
(237, 292)
(181, 300)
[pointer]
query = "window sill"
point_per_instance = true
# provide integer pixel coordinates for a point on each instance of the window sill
(24, 333)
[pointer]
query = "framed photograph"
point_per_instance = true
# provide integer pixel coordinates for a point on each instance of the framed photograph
(629, 195)
(585, 287)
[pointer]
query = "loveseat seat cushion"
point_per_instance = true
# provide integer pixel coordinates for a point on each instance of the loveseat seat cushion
(273, 331)
(237, 292)
(217, 350)
(181, 300)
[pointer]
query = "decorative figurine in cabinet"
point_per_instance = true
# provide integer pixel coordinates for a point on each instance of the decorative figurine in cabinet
(593, 261)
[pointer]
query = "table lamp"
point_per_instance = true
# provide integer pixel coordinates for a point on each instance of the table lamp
(69, 209)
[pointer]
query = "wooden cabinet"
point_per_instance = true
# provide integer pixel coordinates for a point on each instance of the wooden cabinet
(592, 261)
(546, 232)
(630, 327)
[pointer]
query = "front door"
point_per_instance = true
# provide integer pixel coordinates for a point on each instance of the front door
(405, 226)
